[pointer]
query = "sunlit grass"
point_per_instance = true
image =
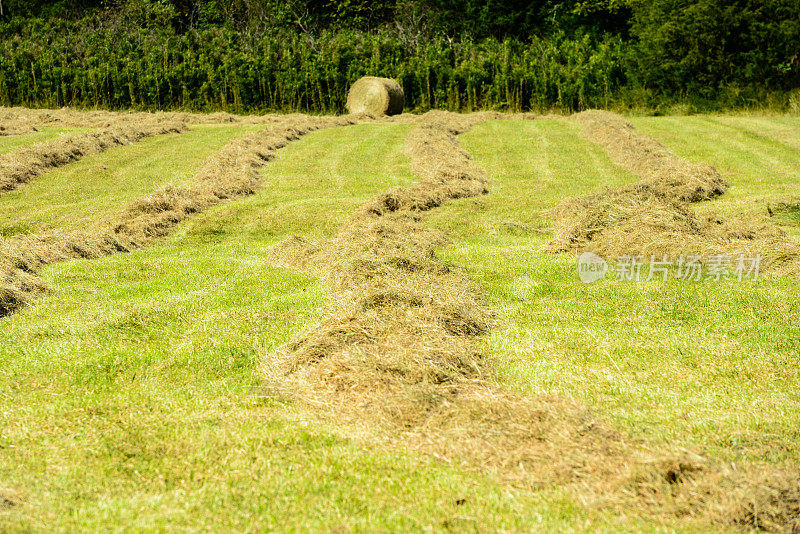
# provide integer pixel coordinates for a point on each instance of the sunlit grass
(79, 195)
(701, 364)
(130, 396)
(9, 143)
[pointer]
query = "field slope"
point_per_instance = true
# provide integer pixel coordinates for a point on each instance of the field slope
(130, 394)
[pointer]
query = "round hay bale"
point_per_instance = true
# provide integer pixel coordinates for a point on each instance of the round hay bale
(376, 96)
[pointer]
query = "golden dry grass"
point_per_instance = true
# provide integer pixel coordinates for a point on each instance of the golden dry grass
(377, 96)
(230, 173)
(394, 359)
(27, 118)
(662, 172)
(24, 164)
(388, 285)
(653, 216)
(10, 128)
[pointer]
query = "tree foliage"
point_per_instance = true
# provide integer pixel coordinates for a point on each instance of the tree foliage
(457, 54)
(700, 46)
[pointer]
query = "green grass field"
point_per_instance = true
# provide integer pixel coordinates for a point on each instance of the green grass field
(10, 142)
(760, 157)
(130, 394)
(79, 195)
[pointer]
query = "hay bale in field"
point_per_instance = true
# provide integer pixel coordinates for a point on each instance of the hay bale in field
(376, 96)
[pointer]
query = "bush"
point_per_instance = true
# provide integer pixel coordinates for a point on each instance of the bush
(89, 65)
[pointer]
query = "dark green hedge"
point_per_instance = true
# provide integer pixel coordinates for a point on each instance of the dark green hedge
(155, 54)
(214, 69)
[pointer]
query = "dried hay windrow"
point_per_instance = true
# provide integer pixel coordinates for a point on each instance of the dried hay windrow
(230, 173)
(387, 283)
(395, 358)
(664, 174)
(13, 128)
(24, 164)
(25, 120)
(653, 216)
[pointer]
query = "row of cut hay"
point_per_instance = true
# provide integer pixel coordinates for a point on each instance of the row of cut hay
(663, 173)
(24, 120)
(398, 319)
(395, 358)
(12, 128)
(230, 173)
(30, 118)
(653, 216)
(22, 165)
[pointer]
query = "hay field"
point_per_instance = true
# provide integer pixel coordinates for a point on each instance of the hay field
(10, 142)
(369, 330)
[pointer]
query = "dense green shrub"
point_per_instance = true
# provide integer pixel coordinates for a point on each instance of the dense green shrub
(214, 69)
(246, 55)
(702, 47)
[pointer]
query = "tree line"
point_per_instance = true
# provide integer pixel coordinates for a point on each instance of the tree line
(249, 55)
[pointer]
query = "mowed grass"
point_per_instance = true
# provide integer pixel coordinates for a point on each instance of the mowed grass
(9, 143)
(759, 156)
(707, 365)
(130, 395)
(95, 188)
(312, 187)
